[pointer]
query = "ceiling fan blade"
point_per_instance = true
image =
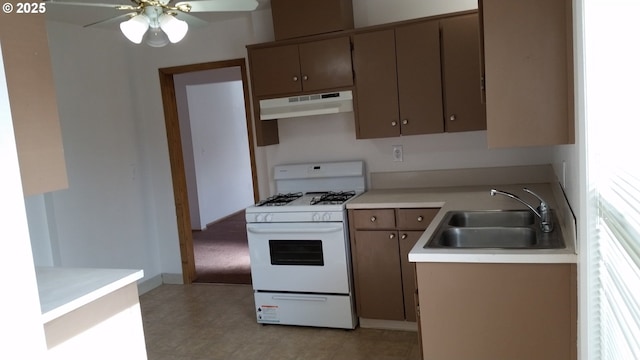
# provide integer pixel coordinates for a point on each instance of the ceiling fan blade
(113, 20)
(112, 6)
(219, 5)
(190, 19)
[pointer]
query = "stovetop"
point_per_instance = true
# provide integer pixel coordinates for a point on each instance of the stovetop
(309, 198)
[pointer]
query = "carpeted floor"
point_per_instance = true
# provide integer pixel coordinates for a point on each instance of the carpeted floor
(222, 252)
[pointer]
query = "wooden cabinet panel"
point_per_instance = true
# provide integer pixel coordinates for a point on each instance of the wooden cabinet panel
(407, 240)
(404, 80)
(384, 278)
(416, 219)
(311, 66)
(378, 284)
(419, 79)
(528, 72)
(374, 63)
(326, 64)
(34, 110)
(498, 311)
(275, 70)
(295, 18)
(461, 69)
(372, 219)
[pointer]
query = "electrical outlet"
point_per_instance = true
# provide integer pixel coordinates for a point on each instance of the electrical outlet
(397, 152)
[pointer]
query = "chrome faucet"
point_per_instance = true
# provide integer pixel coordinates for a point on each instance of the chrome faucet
(543, 211)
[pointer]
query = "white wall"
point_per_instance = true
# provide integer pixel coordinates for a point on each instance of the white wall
(375, 12)
(221, 148)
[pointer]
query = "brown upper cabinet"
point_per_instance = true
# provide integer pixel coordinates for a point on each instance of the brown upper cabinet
(296, 68)
(528, 60)
(34, 109)
(403, 88)
(462, 74)
(295, 18)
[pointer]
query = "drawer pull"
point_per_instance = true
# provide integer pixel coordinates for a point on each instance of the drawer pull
(392, 236)
(420, 218)
(373, 219)
(404, 236)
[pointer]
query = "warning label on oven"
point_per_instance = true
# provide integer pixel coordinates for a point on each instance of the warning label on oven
(268, 313)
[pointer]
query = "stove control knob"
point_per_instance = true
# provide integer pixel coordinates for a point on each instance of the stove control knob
(326, 217)
(268, 218)
(259, 218)
(316, 217)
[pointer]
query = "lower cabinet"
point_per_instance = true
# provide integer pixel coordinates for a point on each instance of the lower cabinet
(384, 278)
(497, 311)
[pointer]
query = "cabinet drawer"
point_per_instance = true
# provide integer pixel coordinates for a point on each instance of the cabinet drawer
(374, 219)
(416, 219)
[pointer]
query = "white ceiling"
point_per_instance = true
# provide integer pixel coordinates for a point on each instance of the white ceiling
(84, 15)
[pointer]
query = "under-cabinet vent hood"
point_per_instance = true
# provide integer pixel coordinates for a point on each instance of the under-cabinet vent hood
(306, 105)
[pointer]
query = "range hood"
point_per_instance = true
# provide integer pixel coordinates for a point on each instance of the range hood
(306, 105)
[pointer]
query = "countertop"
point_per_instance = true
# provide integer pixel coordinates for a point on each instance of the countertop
(470, 198)
(63, 290)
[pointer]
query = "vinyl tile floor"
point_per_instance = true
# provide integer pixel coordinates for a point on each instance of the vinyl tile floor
(217, 321)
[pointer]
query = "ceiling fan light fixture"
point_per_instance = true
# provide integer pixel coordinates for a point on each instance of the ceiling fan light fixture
(155, 37)
(175, 28)
(135, 28)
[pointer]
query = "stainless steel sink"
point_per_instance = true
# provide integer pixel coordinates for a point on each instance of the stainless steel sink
(492, 218)
(491, 229)
(489, 237)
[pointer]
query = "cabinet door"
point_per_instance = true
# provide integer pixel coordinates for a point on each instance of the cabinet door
(461, 70)
(326, 64)
(528, 72)
(378, 277)
(407, 240)
(374, 64)
(275, 70)
(419, 79)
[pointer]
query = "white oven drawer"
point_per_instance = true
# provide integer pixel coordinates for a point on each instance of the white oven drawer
(299, 257)
(335, 311)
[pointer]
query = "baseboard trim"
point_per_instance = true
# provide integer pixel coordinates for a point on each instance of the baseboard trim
(149, 284)
(388, 324)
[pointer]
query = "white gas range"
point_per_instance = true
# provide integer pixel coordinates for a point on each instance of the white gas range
(299, 246)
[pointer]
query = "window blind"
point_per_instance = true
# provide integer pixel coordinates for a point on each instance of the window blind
(612, 77)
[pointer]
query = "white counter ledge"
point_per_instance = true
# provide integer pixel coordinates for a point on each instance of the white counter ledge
(63, 290)
(472, 198)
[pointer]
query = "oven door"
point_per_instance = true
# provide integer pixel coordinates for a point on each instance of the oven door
(299, 257)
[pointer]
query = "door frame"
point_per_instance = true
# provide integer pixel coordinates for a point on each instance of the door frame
(178, 175)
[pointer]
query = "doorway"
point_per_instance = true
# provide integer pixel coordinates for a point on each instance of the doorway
(180, 169)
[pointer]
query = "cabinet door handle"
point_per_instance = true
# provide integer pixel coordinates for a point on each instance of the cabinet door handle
(420, 218)
(373, 219)
(404, 236)
(452, 118)
(305, 77)
(392, 236)
(295, 78)
(405, 122)
(394, 123)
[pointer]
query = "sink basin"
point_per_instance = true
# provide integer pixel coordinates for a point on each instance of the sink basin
(489, 237)
(494, 229)
(492, 218)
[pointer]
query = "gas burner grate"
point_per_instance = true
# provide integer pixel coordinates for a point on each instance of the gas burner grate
(332, 198)
(280, 199)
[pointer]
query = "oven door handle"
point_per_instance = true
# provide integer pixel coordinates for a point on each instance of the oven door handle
(299, 298)
(257, 230)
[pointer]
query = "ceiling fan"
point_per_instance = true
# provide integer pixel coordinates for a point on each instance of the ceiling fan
(159, 22)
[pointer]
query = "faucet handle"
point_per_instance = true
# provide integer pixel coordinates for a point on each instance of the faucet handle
(543, 203)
